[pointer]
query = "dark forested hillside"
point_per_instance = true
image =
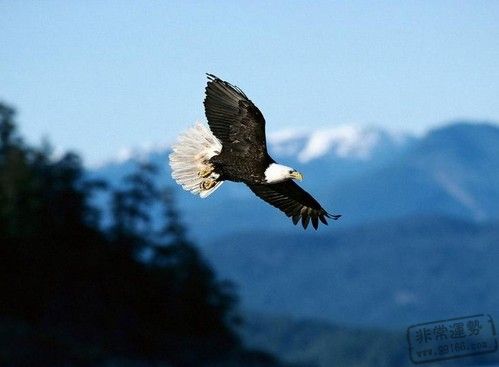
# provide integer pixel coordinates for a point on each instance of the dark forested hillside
(72, 294)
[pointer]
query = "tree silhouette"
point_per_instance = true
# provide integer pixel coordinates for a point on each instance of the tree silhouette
(173, 230)
(131, 205)
(8, 133)
(72, 293)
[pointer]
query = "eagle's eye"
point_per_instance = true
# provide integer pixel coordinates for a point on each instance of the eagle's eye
(290, 171)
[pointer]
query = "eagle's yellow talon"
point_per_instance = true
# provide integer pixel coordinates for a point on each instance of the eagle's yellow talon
(206, 171)
(207, 184)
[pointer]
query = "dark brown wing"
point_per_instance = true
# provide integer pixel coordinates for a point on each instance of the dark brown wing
(234, 119)
(295, 202)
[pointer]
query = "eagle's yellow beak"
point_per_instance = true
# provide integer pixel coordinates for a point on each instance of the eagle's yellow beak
(297, 175)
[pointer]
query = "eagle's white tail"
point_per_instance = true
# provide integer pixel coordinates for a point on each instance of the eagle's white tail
(189, 160)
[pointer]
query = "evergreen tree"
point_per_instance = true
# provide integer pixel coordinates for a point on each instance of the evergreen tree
(131, 205)
(173, 230)
(8, 133)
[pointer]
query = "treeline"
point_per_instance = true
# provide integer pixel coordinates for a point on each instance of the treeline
(72, 293)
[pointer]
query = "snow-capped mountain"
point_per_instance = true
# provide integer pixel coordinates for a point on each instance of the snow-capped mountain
(364, 174)
(344, 141)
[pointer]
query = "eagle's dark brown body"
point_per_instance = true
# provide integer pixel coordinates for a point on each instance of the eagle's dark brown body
(248, 170)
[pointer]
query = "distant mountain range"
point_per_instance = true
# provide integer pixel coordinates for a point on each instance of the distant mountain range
(418, 240)
(365, 174)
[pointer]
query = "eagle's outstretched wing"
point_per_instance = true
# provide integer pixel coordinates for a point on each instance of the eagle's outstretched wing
(295, 202)
(234, 119)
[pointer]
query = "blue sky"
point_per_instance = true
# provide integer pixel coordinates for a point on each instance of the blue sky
(98, 76)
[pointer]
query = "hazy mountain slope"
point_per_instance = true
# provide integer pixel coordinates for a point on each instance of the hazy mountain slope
(392, 273)
(321, 344)
(454, 170)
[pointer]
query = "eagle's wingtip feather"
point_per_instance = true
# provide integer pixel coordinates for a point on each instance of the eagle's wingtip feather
(315, 222)
(212, 77)
(305, 219)
(333, 216)
(323, 219)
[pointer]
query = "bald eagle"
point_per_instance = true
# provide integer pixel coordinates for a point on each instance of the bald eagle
(234, 148)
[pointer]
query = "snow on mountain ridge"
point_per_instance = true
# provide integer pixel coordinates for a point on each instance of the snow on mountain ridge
(345, 141)
(140, 153)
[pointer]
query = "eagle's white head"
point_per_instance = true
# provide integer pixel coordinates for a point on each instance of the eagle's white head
(276, 173)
